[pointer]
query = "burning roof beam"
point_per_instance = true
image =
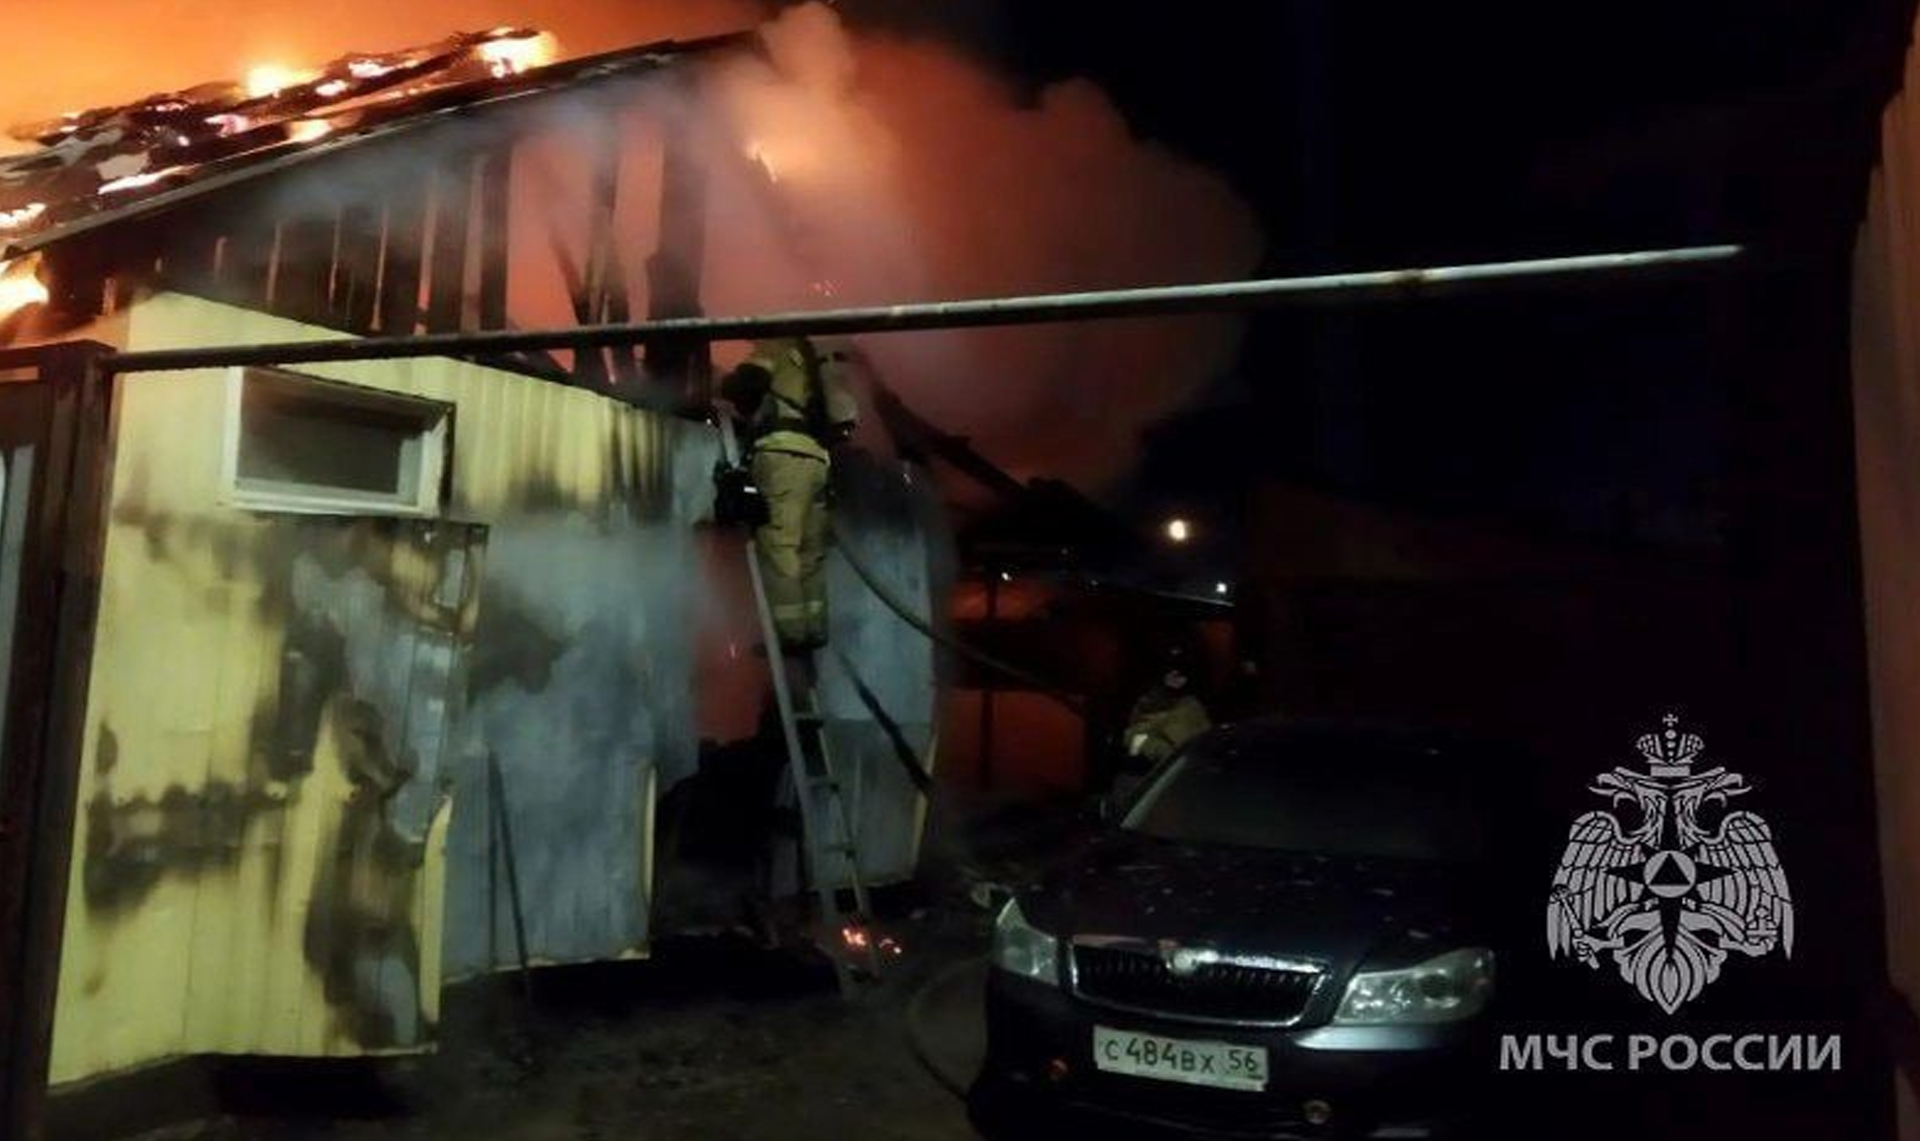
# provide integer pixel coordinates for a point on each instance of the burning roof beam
(166, 186)
(496, 177)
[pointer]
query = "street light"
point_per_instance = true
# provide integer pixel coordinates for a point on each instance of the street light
(1179, 530)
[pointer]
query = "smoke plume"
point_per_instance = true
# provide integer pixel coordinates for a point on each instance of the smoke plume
(843, 169)
(905, 172)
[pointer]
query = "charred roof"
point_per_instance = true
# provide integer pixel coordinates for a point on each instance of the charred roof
(99, 167)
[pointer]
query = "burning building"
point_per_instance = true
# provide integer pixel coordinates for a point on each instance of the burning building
(359, 624)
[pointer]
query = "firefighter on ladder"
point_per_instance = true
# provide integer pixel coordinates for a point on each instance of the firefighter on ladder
(794, 398)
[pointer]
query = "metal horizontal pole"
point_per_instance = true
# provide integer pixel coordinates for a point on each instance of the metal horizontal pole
(1153, 301)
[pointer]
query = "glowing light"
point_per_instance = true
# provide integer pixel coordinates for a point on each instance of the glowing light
(855, 937)
(228, 123)
(20, 287)
(368, 68)
(332, 88)
(515, 52)
(272, 79)
(22, 217)
(138, 181)
(757, 155)
(307, 130)
(1222, 588)
(1179, 530)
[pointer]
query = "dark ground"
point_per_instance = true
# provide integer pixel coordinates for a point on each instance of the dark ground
(711, 1039)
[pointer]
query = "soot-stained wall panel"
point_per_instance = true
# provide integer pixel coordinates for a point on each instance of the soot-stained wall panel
(258, 845)
(888, 518)
(584, 691)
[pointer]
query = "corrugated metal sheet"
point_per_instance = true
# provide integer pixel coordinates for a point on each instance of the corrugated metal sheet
(234, 888)
(893, 522)
(247, 876)
(204, 884)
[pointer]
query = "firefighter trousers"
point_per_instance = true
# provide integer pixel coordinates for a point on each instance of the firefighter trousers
(792, 544)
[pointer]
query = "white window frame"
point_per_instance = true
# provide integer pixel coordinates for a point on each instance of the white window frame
(427, 452)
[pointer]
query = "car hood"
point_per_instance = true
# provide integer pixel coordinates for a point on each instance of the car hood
(1341, 911)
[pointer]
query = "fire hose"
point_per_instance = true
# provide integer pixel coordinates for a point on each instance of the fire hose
(905, 613)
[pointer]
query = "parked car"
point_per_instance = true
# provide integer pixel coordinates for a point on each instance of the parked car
(1281, 933)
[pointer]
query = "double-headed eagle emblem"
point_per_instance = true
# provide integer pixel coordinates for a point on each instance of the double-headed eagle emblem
(1665, 892)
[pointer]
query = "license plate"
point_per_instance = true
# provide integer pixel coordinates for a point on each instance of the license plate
(1218, 1064)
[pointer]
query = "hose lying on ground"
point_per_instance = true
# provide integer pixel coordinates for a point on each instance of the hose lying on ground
(917, 1026)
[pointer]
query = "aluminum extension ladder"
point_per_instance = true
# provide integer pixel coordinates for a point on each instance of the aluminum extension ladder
(826, 823)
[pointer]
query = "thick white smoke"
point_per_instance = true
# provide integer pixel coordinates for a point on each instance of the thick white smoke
(900, 170)
(906, 172)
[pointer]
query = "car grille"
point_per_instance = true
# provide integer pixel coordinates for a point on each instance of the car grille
(1236, 990)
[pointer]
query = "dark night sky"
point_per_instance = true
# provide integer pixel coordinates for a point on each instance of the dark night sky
(1371, 134)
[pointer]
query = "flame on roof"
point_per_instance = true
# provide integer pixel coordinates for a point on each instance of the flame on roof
(87, 161)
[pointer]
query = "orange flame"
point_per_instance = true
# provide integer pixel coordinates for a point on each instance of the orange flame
(368, 68)
(20, 287)
(272, 78)
(139, 181)
(22, 217)
(516, 51)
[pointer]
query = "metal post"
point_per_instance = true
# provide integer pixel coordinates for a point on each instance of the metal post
(1171, 300)
(47, 697)
(987, 686)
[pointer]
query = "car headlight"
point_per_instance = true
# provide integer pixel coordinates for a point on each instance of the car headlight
(1446, 988)
(1021, 948)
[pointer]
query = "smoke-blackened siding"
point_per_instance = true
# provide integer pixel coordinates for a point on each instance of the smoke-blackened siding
(284, 829)
(889, 522)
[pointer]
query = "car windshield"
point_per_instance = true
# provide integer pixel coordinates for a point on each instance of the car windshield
(1327, 797)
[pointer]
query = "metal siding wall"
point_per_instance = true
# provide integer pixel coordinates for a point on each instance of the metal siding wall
(588, 503)
(893, 522)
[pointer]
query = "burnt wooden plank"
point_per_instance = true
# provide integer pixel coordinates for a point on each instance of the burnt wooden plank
(356, 280)
(590, 365)
(447, 277)
(576, 282)
(496, 187)
(76, 275)
(303, 270)
(399, 304)
(247, 254)
(618, 309)
(681, 370)
(190, 254)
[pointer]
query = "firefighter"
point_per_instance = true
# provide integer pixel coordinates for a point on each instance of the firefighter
(793, 395)
(1165, 717)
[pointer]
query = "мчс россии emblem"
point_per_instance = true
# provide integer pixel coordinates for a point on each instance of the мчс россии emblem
(1669, 881)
